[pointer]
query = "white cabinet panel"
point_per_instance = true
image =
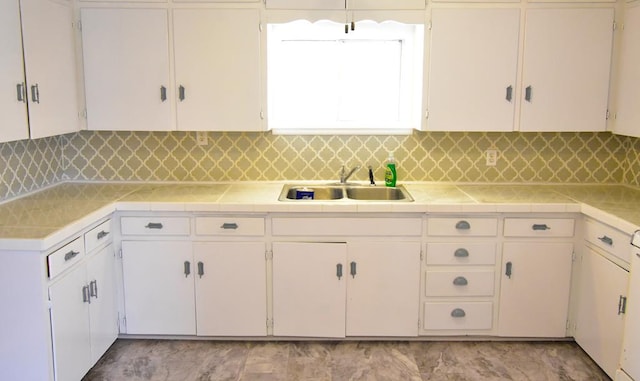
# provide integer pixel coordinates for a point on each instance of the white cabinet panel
(217, 63)
(600, 321)
(472, 69)
(231, 288)
(628, 92)
(534, 296)
(159, 287)
(382, 292)
(126, 68)
(50, 63)
(13, 110)
(567, 60)
(309, 289)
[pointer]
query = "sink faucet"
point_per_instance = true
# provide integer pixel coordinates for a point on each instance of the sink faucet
(344, 176)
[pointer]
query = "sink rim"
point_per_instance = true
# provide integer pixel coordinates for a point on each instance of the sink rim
(286, 188)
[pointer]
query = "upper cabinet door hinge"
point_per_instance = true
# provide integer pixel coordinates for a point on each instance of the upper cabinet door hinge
(426, 114)
(268, 255)
(260, 27)
(77, 25)
(615, 25)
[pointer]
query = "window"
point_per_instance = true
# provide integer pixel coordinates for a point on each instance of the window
(323, 80)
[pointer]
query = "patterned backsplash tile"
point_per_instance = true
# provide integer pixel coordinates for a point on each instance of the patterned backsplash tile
(421, 156)
(229, 156)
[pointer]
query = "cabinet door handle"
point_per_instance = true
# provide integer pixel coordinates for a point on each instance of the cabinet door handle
(509, 269)
(86, 296)
(528, 91)
(339, 271)
(353, 269)
(229, 225)
(463, 225)
(606, 240)
(154, 225)
(540, 227)
(181, 93)
(187, 268)
(460, 281)
(93, 288)
(622, 305)
(70, 255)
(509, 93)
(102, 234)
(163, 93)
(35, 93)
(20, 92)
(200, 269)
(461, 253)
(458, 313)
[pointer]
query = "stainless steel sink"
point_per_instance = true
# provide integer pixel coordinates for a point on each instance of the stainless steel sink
(337, 192)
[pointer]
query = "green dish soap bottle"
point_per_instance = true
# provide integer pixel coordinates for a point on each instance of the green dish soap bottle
(390, 173)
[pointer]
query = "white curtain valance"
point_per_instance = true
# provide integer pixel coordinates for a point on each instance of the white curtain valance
(406, 17)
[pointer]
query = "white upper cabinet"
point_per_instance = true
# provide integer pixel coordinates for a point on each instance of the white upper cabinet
(628, 92)
(126, 68)
(473, 69)
(218, 69)
(50, 63)
(348, 4)
(567, 60)
(13, 109)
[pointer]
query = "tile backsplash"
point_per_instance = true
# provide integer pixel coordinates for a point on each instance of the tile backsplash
(257, 156)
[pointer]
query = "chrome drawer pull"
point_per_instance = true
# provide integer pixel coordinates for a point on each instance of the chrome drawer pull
(86, 296)
(93, 289)
(154, 225)
(200, 269)
(461, 253)
(229, 225)
(606, 240)
(622, 305)
(463, 225)
(187, 268)
(460, 281)
(540, 227)
(339, 271)
(458, 313)
(70, 255)
(102, 234)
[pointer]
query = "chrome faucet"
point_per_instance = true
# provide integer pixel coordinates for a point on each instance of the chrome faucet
(344, 176)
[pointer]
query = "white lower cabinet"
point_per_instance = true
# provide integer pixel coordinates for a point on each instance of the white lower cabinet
(203, 288)
(158, 287)
(83, 315)
(534, 294)
(328, 289)
(600, 313)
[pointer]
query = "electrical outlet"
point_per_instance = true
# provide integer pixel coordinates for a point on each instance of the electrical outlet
(201, 138)
(491, 156)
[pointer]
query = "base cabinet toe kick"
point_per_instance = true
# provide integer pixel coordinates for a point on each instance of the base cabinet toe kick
(218, 275)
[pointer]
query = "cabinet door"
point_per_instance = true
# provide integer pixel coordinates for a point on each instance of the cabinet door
(104, 308)
(50, 62)
(158, 287)
(534, 295)
(13, 110)
(627, 111)
(231, 288)
(217, 56)
(383, 283)
(600, 322)
(309, 285)
(470, 88)
(70, 325)
(567, 60)
(126, 69)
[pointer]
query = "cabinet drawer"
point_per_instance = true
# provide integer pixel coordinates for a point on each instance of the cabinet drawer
(458, 316)
(65, 257)
(459, 283)
(462, 226)
(155, 226)
(328, 226)
(538, 227)
(97, 236)
(609, 239)
(461, 253)
(230, 226)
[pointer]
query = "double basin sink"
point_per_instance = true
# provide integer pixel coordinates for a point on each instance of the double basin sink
(336, 192)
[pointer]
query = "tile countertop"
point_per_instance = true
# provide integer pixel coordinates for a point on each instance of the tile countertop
(40, 220)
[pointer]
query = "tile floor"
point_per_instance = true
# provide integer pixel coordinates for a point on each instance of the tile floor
(181, 360)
